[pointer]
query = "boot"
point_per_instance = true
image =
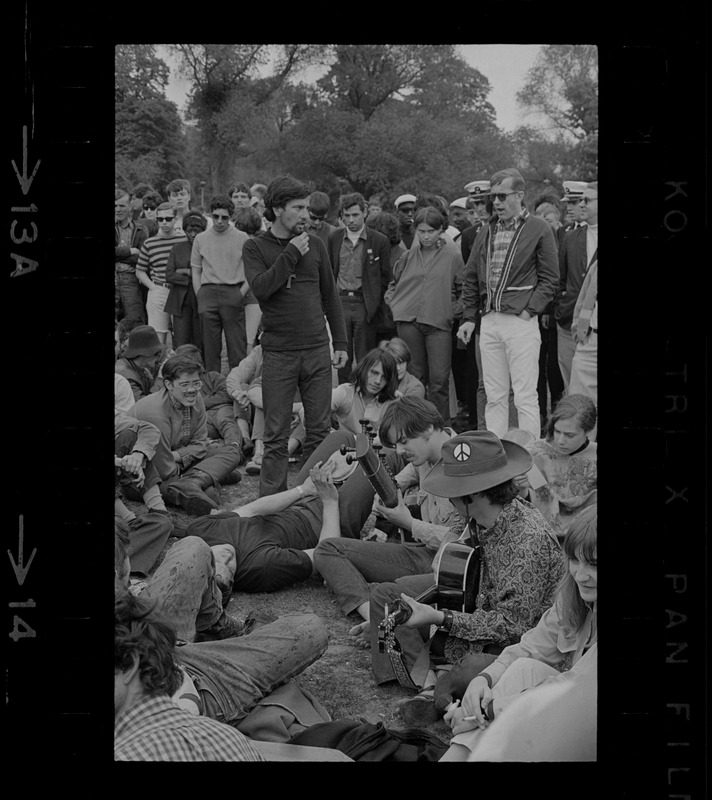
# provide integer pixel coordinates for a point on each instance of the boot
(187, 492)
(225, 628)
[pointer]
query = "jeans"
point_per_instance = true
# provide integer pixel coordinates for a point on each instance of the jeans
(349, 565)
(222, 424)
(565, 347)
(282, 373)
(549, 371)
(233, 675)
(360, 335)
(222, 311)
(509, 347)
(130, 296)
(431, 354)
(185, 589)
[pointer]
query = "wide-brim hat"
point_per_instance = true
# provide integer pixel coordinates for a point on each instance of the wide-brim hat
(474, 461)
(143, 341)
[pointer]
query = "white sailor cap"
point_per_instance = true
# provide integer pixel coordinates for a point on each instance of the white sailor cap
(573, 190)
(404, 198)
(478, 189)
(459, 203)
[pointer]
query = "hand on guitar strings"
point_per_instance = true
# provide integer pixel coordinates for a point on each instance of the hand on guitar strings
(400, 515)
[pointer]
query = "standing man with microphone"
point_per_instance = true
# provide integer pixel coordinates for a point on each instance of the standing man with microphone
(290, 274)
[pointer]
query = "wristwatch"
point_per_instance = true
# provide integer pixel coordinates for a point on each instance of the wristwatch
(447, 620)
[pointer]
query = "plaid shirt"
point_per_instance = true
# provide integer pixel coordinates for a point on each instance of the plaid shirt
(156, 729)
(503, 235)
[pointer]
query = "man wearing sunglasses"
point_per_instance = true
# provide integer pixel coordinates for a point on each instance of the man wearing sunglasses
(151, 268)
(220, 286)
(511, 276)
(319, 205)
(578, 251)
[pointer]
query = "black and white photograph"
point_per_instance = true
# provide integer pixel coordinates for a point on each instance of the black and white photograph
(356, 400)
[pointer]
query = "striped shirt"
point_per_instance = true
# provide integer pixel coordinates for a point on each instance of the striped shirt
(156, 729)
(154, 255)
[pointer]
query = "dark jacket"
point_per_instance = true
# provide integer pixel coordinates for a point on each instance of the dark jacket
(529, 278)
(138, 237)
(573, 265)
(180, 283)
(376, 273)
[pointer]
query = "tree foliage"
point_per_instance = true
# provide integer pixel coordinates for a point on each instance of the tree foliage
(148, 140)
(563, 86)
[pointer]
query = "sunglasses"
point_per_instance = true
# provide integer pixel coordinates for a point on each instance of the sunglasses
(149, 208)
(220, 217)
(164, 219)
(501, 196)
(316, 217)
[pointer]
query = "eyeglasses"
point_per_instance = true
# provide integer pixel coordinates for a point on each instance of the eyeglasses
(316, 217)
(163, 219)
(501, 196)
(149, 208)
(587, 200)
(189, 385)
(220, 217)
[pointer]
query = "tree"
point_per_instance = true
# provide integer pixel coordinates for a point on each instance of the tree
(148, 139)
(563, 86)
(228, 85)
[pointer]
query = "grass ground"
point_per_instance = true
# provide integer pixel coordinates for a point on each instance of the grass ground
(341, 679)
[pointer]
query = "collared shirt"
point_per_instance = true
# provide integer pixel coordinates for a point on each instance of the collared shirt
(520, 566)
(503, 235)
(156, 729)
(351, 261)
(549, 642)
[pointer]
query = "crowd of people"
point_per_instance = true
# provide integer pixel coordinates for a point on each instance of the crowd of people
(459, 340)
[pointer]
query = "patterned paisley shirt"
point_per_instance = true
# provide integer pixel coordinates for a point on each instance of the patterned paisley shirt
(521, 564)
(156, 729)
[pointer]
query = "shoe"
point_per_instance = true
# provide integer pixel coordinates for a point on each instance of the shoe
(188, 494)
(419, 710)
(231, 478)
(225, 628)
(254, 467)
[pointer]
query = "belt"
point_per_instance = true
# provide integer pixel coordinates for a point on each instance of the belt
(347, 293)
(158, 283)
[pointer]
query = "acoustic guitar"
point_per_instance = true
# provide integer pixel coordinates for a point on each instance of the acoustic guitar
(456, 586)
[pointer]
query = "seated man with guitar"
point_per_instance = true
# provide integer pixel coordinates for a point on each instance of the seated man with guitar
(520, 564)
(414, 427)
